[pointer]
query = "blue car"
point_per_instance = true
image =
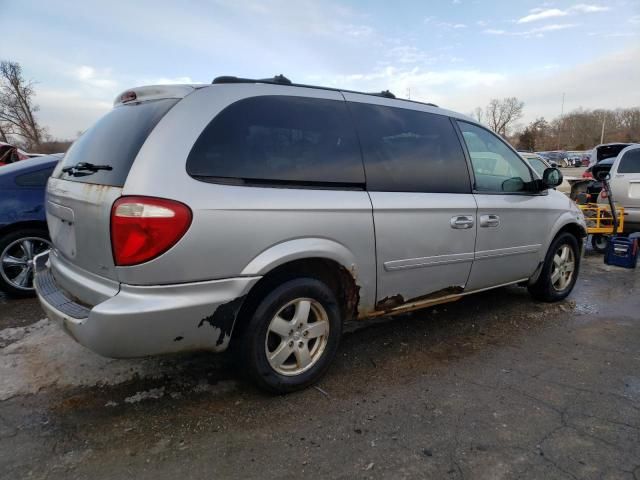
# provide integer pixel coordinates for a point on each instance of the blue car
(23, 225)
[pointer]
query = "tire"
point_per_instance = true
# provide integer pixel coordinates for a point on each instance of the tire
(599, 243)
(260, 340)
(11, 249)
(554, 283)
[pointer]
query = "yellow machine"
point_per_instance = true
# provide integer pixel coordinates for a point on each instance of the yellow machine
(600, 223)
(599, 218)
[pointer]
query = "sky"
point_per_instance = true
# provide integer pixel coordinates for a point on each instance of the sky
(456, 53)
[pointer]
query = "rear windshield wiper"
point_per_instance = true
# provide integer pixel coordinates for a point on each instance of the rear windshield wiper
(81, 168)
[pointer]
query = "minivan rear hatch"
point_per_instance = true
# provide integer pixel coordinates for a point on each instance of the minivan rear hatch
(88, 180)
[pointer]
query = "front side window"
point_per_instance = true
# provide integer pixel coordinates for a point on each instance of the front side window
(279, 139)
(497, 168)
(410, 151)
(537, 164)
(630, 162)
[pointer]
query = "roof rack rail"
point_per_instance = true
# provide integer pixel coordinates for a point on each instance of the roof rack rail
(278, 79)
(282, 80)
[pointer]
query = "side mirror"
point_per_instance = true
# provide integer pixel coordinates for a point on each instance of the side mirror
(515, 184)
(602, 175)
(551, 177)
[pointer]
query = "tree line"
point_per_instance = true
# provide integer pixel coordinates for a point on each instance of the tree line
(580, 129)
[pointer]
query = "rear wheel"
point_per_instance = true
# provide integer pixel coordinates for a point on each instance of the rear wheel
(292, 336)
(560, 270)
(599, 243)
(17, 250)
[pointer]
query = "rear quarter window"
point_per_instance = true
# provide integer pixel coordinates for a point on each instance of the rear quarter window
(114, 140)
(630, 162)
(278, 140)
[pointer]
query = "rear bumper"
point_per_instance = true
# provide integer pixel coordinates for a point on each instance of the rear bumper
(147, 320)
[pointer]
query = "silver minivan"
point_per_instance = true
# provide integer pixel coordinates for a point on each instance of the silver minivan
(264, 214)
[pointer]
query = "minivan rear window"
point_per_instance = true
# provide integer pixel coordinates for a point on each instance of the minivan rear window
(279, 140)
(630, 162)
(114, 140)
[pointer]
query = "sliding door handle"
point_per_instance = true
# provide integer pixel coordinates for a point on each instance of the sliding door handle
(489, 220)
(462, 222)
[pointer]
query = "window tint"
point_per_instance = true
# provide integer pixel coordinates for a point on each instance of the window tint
(497, 168)
(34, 179)
(278, 139)
(630, 162)
(114, 140)
(410, 151)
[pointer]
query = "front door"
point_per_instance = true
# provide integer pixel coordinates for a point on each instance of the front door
(423, 209)
(512, 220)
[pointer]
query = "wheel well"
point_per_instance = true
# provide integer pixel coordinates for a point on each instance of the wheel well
(330, 272)
(21, 225)
(574, 229)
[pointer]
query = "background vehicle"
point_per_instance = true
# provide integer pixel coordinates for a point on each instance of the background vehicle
(625, 186)
(575, 157)
(10, 154)
(190, 217)
(539, 164)
(23, 227)
(605, 151)
(559, 157)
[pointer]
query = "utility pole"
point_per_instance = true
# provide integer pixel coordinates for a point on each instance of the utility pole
(604, 119)
(561, 122)
(408, 93)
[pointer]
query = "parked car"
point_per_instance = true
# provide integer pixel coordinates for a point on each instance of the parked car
(10, 154)
(539, 165)
(558, 157)
(23, 228)
(625, 186)
(605, 151)
(193, 217)
(575, 157)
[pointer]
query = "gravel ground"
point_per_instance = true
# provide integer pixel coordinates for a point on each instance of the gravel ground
(493, 386)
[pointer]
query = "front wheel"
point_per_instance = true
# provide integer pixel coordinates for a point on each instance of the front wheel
(293, 335)
(559, 271)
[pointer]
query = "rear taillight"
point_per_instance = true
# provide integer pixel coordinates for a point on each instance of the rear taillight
(587, 174)
(144, 227)
(603, 194)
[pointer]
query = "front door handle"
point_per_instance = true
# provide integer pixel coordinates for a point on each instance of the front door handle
(489, 220)
(462, 222)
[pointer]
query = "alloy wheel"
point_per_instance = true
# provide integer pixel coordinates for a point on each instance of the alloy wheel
(297, 336)
(16, 261)
(563, 267)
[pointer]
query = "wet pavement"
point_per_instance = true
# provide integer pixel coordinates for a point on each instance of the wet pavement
(493, 386)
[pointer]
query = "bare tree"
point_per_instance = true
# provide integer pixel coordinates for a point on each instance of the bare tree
(17, 108)
(478, 114)
(502, 114)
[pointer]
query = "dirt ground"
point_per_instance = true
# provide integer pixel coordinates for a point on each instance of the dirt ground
(493, 386)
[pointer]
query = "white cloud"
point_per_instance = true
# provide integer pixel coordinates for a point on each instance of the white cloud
(584, 8)
(542, 14)
(538, 32)
(537, 14)
(97, 79)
